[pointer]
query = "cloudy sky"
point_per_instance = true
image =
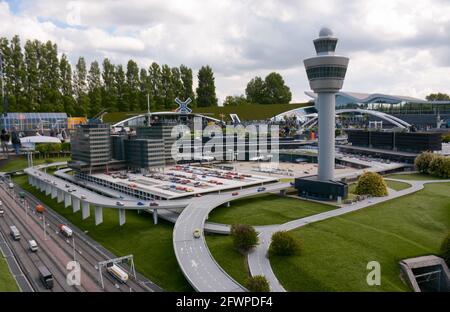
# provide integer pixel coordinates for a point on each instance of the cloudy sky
(396, 46)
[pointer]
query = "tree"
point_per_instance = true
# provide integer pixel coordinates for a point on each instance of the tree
(81, 88)
(167, 90)
(131, 101)
(121, 87)
(371, 183)
(109, 88)
(206, 90)
(275, 91)
(235, 100)
(445, 249)
(440, 167)
(5, 53)
(155, 85)
(284, 244)
(66, 85)
(50, 80)
(255, 91)
(95, 89)
(271, 90)
(257, 283)
(31, 84)
(422, 162)
(177, 83)
(143, 89)
(186, 79)
(244, 236)
(16, 76)
(438, 97)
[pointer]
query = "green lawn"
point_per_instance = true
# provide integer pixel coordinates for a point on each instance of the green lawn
(245, 112)
(150, 244)
(412, 176)
(266, 209)
(397, 186)
(233, 262)
(7, 282)
(336, 251)
(21, 163)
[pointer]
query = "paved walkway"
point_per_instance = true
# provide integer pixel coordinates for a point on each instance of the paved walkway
(259, 263)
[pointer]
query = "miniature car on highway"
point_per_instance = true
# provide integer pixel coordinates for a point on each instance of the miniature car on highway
(72, 190)
(54, 183)
(83, 196)
(119, 203)
(11, 185)
(67, 185)
(261, 189)
(234, 194)
(140, 203)
(33, 245)
(40, 208)
(154, 204)
(198, 195)
(2, 212)
(197, 233)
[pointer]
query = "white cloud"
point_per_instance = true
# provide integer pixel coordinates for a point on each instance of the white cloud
(396, 46)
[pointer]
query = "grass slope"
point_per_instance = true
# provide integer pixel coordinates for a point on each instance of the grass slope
(266, 210)
(7, 282)
(245, 112)
(150, 244)
(397, 186)
(233, 262)
(20, 163)
(336, 251)
(413, 177)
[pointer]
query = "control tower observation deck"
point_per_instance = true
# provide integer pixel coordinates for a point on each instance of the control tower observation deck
(326, 73)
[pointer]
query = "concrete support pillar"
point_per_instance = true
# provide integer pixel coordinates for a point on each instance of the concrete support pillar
(85, 210)
(60, 196)
(54, 192)
(30, 180)
(75, 204)
(67, 200)
(228, 204)
(155, 216)
(283, 193)
(121, 217)
(41, 185)
(48, 189)
(98, 211)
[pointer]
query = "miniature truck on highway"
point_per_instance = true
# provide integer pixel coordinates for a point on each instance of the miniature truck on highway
(14, 232)
(46, 277)
(65, 230)
(117, 272)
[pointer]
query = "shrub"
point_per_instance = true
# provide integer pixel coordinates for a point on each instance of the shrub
(445, 249)
(284, 244)
(371, 183)
(423, 161)
(446, 138)
(244, 236)
(257, 283)
(65, 146)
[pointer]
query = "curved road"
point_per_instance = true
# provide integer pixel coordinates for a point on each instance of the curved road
(193, 256)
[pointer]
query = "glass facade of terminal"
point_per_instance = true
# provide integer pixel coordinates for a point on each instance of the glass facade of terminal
(34, 121)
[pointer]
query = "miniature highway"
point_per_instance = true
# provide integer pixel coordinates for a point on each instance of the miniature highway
(193, 256)
(56, 251)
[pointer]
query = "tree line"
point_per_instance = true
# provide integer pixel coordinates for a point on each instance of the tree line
(37, 79)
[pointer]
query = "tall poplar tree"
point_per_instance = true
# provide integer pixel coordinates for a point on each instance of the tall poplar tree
(95, 89)
(109, 88)
(132, 86)
(81, 88)
(206, 90)
(66, 85)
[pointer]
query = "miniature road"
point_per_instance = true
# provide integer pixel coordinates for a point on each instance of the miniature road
(193, 256)
(259, 263)
(87, 253)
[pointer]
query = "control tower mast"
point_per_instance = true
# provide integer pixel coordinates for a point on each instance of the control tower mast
(326, 73)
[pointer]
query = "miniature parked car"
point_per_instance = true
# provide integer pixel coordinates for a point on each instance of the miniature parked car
(140, 203)
(119, 203)
(67, 185)
(153, 204)
(198, 195)
(72, 190)
(197, 233)
(235, 194)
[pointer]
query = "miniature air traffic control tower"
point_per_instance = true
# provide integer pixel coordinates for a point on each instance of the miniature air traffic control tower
(326, 73)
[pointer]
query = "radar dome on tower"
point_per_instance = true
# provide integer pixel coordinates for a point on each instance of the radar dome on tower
(326, 32)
